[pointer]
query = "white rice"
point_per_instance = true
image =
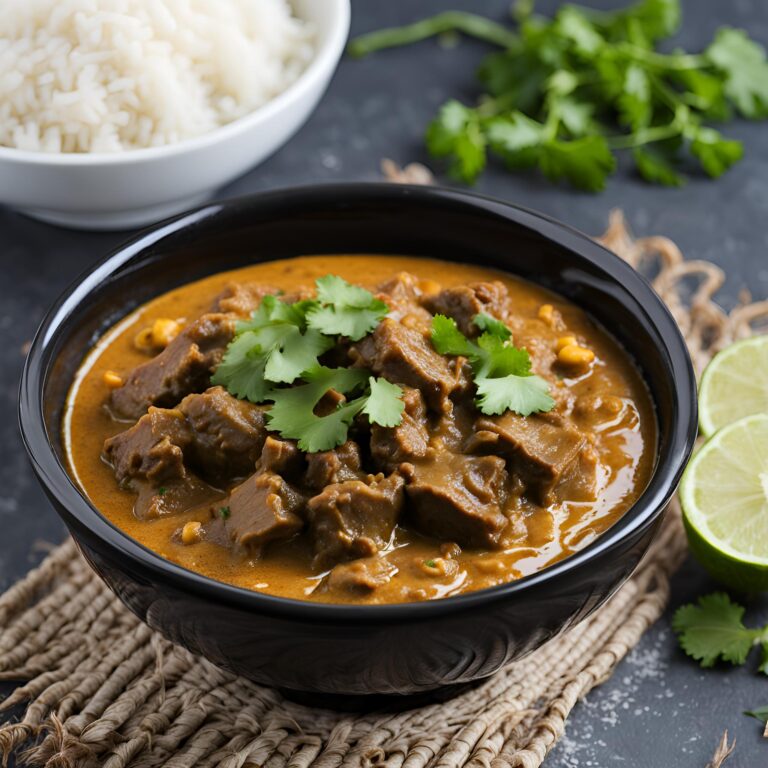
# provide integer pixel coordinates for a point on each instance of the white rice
(112, 75)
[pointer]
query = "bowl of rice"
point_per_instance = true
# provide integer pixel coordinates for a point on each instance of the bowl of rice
(118, 113)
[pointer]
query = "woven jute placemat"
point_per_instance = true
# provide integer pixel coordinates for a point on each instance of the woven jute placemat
(101, 689)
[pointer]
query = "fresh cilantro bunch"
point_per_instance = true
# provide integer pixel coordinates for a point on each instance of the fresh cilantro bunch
(502, 372)
(281, 345)
(714, 629)
(565, 93)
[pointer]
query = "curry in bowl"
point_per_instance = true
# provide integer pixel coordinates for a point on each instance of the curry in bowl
(360, 429)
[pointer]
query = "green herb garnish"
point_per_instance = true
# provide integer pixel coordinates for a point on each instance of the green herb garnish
(293, 413)
(224, 512)
(161, 490)
(430, 563)
(281, 344)
(502, 372)
(760, 713)
(714, 630)
(565, 93)
(343, 309)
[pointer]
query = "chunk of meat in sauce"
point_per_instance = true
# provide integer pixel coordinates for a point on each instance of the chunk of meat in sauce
(183, 367)
(283, 457)
(552, 459)
(360, 577)
(262, 509)
(463, 302)
(403, 294)
(355, 518)
(242, 299)
(148, 459)
(458, 498)
(227, 434)
(390, 446)
(405, 356)
(336, 466)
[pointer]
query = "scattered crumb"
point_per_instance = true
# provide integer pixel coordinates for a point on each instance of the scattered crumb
(723, 751)
(413, 173)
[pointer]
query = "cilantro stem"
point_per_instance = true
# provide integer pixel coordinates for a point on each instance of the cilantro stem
(449, 21)
(645, 136)
(667, 61)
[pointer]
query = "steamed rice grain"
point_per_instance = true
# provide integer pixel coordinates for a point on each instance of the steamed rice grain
(112, 75)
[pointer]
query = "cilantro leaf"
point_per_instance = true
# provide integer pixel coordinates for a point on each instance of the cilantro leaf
(447, 339)
(715, 153)
(502, 372)
(521, 394)
(634, 101)
(293, 411)
(515, 138)
(653, 166)
(654, 18)
(574, 26)
(241, 370)
(586, 163)
(456, 133)
(343, 309)
(760, 713)
(384, 404)
(745, 67)
(294, 353)
(486, 322)
(714, 630)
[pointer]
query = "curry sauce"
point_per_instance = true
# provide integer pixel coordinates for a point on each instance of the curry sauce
(544, 485)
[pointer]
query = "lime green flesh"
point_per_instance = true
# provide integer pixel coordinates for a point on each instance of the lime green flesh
(734, 385)
(724, 494)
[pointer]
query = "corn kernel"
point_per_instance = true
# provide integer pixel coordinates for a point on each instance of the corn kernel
(112, 380)
(164, 331)
(429, 287)
(143, 340)
(190, 533)
(573, 354)
(546, 313)
(565, 341)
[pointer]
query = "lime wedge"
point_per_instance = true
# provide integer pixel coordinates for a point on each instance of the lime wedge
(724, 495)
(734, 385)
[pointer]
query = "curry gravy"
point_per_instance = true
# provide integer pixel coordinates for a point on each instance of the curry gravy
(624, 428)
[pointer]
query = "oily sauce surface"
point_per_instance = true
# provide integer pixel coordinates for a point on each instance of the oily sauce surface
(625, 442)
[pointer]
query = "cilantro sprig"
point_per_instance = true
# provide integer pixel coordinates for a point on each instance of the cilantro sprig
(564, 94)
(281, 344)
(502, 372)
(714, 630)
(293, 413)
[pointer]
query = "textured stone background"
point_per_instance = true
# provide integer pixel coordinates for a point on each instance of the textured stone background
(659, 709)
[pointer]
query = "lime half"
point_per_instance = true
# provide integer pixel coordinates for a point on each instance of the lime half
(734, 385)
(724, 495)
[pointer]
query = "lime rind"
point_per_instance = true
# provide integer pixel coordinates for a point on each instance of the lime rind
(734, 385)
(723, 492)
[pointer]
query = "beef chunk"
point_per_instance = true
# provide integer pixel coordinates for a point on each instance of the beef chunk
(359, 577)
(151, 450)
(458, 498)
(463, 302)
(404, 356)
(283, 457)
(390, 446)
(242, 298)
(354, 518)
(336, 466)
(184, 366)
(148, 459)
(262, 509)
(547, 454)
(227, 434)
(403, 295)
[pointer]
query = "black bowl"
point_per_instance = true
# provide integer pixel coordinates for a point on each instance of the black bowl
(335, 649)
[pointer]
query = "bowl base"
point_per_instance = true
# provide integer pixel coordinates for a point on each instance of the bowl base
(129, 218)
(379, 702)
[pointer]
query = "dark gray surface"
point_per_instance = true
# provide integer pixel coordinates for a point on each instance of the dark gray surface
(659, 709)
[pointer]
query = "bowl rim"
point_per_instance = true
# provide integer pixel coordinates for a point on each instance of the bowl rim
(324, 59)
(643, 513)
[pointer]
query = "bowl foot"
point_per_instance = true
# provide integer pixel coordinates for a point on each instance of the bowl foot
(378, 702)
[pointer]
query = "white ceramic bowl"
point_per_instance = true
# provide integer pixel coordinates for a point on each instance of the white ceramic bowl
(128, 189)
